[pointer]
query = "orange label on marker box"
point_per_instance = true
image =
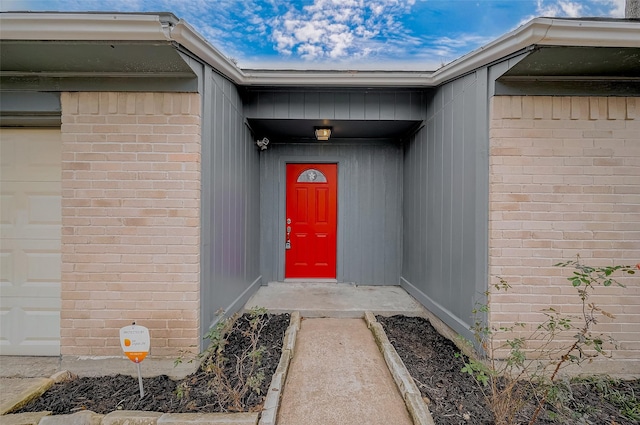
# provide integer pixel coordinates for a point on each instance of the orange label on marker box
(135, 342)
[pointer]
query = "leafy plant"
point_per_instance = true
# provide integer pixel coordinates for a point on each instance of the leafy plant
(498, 379)
(529, 373)
(233, 378)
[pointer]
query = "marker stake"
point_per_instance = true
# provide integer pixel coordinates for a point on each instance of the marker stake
(140, 382)
(135, 343)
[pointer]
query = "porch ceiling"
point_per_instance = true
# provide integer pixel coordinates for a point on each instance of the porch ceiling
(291, 130)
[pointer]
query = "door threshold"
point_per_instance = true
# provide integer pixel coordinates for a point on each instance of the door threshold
(310, 280)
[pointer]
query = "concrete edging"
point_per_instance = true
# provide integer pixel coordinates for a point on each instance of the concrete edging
(272, 401)
(410, 393)
(33, 388)
(134, 417)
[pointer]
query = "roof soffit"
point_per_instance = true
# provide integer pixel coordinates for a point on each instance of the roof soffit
(578, 63)
(94, 58)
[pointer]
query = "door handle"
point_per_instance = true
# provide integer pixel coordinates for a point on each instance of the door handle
(287, 244)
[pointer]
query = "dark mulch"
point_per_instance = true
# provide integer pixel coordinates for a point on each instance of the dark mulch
(456, 399)
(109, 393)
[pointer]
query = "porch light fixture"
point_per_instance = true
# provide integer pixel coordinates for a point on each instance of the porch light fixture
(323, 134)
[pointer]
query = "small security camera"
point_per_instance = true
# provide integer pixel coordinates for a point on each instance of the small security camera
(262, 144)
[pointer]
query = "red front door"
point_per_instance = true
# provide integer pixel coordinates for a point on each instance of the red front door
(310, 246)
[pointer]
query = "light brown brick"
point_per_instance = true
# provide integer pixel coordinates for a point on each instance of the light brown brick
(587, 204)
(112, 210)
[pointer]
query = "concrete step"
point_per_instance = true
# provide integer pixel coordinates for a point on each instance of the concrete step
(324, 299)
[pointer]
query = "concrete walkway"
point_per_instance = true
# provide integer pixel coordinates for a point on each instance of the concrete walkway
(338, 376)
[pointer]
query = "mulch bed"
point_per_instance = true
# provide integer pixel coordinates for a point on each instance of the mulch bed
(455, 398)
(109, 393)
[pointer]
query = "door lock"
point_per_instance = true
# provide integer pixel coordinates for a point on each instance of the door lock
(287, 244)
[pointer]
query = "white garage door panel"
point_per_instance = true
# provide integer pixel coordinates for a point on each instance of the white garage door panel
(30, 228)
(30, 214)
(7, 205)
(30, 332)
(30, 268)
(34, 160)
(45, 209)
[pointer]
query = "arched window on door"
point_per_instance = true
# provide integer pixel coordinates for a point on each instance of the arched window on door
(312, 176)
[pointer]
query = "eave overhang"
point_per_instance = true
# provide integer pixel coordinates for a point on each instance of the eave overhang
(166, 29)
(570, 70)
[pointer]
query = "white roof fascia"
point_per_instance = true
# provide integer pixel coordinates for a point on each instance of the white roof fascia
(185, 35)
(81, 26)
(590, 33)
(338, 78)
(149, 27)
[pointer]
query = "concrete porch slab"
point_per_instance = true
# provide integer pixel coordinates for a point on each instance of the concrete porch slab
(340, 300)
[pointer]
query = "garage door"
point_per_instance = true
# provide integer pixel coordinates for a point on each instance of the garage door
(30, 227)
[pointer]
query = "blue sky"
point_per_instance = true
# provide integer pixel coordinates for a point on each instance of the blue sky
(344, 34)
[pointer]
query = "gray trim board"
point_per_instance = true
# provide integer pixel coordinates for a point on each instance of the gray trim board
(205, 197)
(562, 87)
(29, 103)
(445, 315)
(482, 186)
(147, 83)
(31, 109)
(30, 121)
(236, 305)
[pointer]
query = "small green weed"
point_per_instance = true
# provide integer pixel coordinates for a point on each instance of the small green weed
(623, 397)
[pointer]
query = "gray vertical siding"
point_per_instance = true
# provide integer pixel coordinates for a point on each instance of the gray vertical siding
(445, 202)
(348, 104)
(230, 263)
(369, 208)
(413, 214)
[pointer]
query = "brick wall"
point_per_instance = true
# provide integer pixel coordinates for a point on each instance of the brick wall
(130, 220)
(565, 180)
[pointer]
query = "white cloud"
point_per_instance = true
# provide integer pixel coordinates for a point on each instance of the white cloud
(612, 8)
(582, 8)
(463, 41)
(571, 9)
(339, 29)
(559, 8)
